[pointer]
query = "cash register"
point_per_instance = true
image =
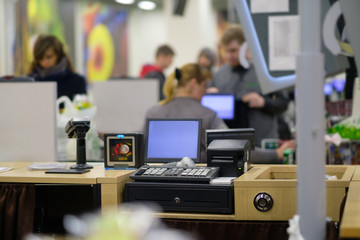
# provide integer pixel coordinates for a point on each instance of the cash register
(170, 177)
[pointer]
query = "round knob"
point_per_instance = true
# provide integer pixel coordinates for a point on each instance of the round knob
(124, 149)
(263, 202)
(177, 200)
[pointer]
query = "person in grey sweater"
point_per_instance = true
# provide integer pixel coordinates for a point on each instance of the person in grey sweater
(183, 91)
(232, 77)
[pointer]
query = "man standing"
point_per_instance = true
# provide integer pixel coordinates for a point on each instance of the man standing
(163, 59)
(260, 111)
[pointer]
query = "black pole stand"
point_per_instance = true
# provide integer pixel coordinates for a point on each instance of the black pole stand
(81, 148)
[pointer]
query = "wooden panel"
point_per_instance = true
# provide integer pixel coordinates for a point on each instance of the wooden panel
(356, 176)
(98, 174)
(197, 216)
(23, 175)
(115, 176)
(342, 172)
(285, 203)
(280, 182)
(334, 197)
(285, 176)
(283, 209)
(266, 174)
(110, 197)
(350, 225)
(112, 181)
(112, 193)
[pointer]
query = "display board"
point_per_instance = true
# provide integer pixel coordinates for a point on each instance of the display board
(275, 27)
(122, 104)
(28, 122)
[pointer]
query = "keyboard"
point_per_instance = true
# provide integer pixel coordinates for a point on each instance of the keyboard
(175, 174)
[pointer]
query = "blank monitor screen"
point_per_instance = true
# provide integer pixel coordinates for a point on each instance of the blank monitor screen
(169, 140)
(222, 104)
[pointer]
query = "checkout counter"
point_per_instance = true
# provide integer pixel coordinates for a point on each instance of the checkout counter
(18, 187)
(277, 181)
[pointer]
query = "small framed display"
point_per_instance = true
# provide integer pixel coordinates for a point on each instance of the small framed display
(122, 150)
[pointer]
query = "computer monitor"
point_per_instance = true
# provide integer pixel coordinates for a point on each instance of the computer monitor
(222, 104)
(335, 84)
(328, 89)
(338, 84)
(169, 140)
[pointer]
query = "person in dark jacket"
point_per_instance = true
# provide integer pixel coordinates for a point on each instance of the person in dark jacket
(232, 77)
(51, 63)
(163, 59)
(183, 91)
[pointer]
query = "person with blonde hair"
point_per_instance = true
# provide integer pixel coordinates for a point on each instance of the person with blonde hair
(183, 91)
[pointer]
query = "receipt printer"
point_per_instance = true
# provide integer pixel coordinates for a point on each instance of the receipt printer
(231, 155)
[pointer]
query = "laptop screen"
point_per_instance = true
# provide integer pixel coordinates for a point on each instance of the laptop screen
(222, 104)
(169, 140)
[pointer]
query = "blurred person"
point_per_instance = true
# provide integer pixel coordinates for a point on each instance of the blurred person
(51, 63)
(259, 110)
(163, 59)
(183, 91)
(207, 58)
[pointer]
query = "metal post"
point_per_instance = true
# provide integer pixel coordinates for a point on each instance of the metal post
(311, 191)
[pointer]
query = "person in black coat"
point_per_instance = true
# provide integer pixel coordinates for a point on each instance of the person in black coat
(51, 63)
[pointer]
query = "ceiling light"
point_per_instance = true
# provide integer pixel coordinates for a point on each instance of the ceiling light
(127, 2)
(146, 5)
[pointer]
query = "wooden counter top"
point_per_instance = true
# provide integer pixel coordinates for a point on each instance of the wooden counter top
(356, 176)
(21, 174)
(350, 225)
